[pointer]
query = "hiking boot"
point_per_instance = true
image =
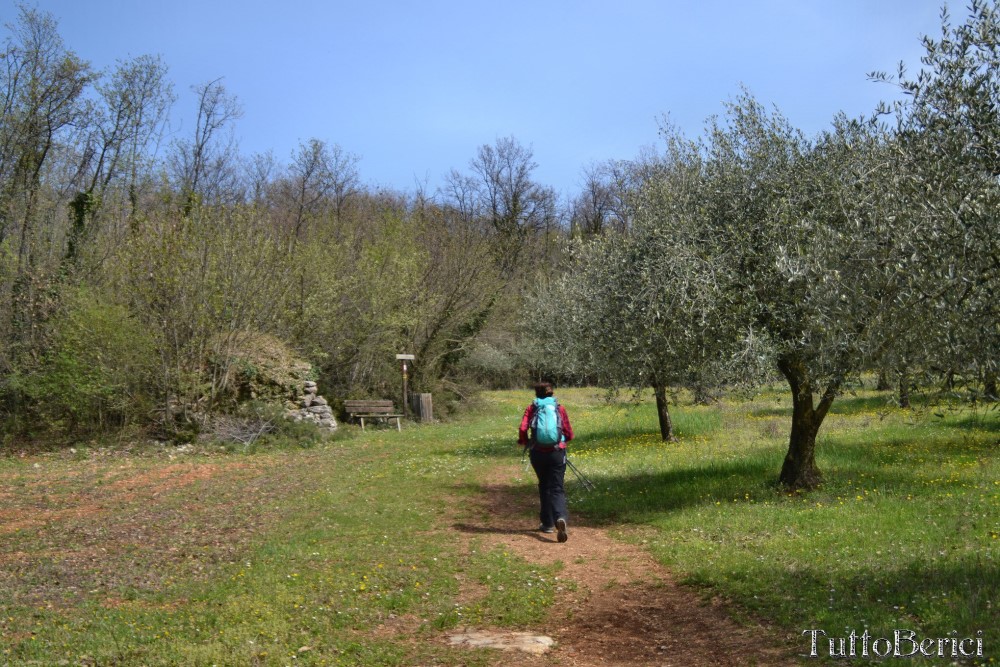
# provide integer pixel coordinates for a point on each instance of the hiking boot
(561, 527)
(546, 529)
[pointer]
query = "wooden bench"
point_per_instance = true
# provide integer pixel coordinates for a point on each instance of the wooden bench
(372, 410)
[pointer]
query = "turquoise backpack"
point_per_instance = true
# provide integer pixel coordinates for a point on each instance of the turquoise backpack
(546, 429)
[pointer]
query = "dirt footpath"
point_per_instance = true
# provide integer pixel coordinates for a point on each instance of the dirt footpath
(624, 608)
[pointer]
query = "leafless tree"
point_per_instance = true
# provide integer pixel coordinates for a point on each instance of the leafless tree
(205, 166)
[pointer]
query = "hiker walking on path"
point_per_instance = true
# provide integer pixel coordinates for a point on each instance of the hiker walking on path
(550, 430)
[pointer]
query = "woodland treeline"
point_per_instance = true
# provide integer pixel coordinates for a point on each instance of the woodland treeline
(136, 270)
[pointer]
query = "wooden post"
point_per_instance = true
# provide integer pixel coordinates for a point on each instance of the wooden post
(422, 406)
(406, 410)
(426, 408)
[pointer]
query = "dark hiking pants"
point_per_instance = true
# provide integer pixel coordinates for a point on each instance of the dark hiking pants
(550, 467)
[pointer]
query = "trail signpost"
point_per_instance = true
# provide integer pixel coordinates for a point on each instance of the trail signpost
(404, 358)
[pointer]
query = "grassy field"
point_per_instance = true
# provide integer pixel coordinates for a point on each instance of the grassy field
(346, 553)
(904, 534)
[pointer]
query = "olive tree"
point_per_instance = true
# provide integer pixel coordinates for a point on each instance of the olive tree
(754, 245)
(820, 248)
(869, 243)
(645, 307)
(948, 133)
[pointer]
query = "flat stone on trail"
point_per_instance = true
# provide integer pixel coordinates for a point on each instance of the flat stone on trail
(507, 641)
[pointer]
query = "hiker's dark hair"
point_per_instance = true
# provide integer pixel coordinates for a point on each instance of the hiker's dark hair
(543, 389)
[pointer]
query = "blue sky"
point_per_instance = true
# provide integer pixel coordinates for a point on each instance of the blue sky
(415, 87)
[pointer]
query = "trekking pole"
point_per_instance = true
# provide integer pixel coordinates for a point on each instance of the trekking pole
(587, 484)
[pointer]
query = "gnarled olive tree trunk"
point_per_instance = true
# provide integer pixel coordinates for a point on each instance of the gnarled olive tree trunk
(799, 470)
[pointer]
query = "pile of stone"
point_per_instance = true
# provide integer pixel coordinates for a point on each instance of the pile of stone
(309, 406)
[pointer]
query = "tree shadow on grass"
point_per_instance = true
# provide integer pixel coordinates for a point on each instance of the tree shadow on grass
(843, 405)
(774, 411)
(900, 449)
(952, 597)
(505, 508)
(988, 422)
(848, 405)
(897, 466)
(635, 498)
(895, 462)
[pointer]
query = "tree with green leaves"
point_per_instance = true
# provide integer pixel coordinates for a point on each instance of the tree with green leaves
(42, 86)
(948, 133)
(201, 285)
(819, 249)
(755, 244)
(646, 306)
(127, 118)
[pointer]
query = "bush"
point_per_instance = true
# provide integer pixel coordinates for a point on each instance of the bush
(98, 370)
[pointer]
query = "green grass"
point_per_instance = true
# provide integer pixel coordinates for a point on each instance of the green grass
(904, 533)
(349, 538)
(345, 553)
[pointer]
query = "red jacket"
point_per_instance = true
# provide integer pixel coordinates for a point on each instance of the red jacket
(529, 413)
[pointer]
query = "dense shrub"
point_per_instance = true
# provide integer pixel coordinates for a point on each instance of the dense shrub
(97, 370)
